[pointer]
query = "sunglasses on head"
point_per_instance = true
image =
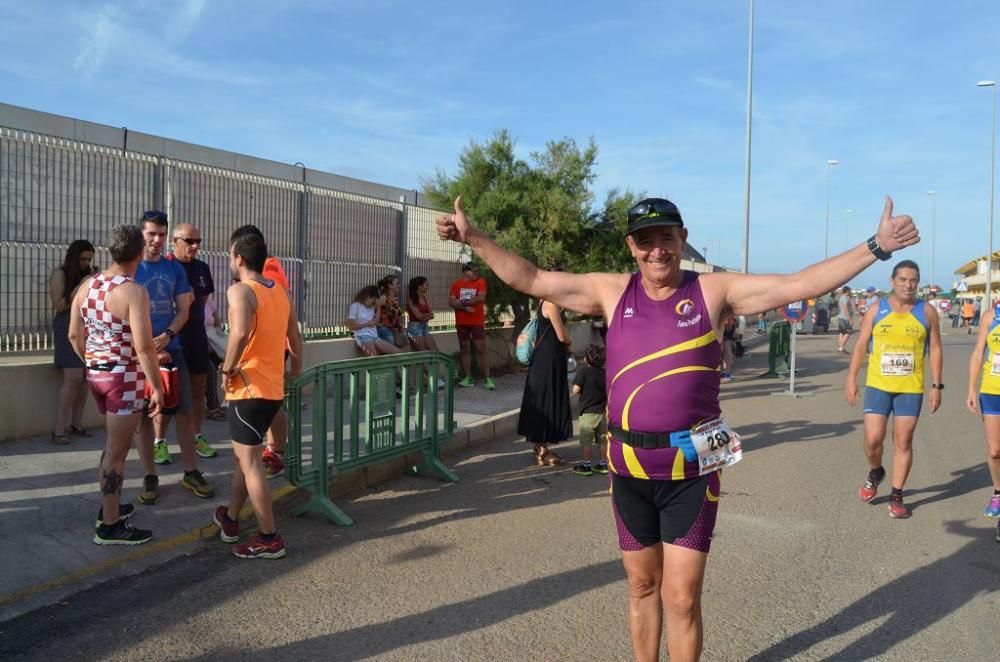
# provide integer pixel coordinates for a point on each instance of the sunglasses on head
(160, 216)
(189, 242)
(652, 208)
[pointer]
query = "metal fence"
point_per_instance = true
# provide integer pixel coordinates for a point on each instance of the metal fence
(331, 241)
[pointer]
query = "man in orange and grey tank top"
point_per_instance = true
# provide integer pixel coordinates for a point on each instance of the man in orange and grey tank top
(664, 326)
(110, 329)
(260, 321)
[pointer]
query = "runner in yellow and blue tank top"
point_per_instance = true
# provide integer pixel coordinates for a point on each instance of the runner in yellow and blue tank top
(985, 362)
(899, 332)
(667, 436)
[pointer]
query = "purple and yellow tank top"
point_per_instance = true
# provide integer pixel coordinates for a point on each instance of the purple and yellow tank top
(662, 372)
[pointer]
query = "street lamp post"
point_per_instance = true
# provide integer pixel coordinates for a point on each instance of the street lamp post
(993, 146)
(746, 176)
(933, 233)
(826, 229)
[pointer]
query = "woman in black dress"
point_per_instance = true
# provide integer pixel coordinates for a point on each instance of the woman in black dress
(77, 265)
(545, 415)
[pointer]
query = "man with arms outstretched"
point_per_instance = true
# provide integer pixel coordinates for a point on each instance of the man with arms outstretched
(668, 439)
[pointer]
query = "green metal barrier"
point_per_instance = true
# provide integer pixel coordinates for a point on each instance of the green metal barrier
(779, 346)
(340, 432)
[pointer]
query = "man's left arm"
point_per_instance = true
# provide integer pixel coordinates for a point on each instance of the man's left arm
(936, 355)
(747, 294)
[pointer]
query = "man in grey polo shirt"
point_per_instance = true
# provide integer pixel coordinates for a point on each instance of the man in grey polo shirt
(845, 318)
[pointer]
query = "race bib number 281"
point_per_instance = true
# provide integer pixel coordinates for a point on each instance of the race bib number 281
(717, 444)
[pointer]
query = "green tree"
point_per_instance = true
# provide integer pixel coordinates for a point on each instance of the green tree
(540, 209)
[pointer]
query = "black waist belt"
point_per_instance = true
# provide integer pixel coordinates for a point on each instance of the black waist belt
(648, 440)
(103, 367)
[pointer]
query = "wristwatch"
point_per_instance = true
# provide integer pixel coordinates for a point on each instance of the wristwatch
(877, 250)
(939, 387)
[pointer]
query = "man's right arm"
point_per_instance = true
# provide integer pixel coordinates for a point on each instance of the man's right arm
(590, 294)
(858, 355)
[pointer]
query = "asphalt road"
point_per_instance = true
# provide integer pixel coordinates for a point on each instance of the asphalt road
(517, 562)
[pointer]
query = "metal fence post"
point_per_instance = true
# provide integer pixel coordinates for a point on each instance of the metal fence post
(303, 253)
(402, 252)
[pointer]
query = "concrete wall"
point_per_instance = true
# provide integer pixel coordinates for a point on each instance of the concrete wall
(29, 385)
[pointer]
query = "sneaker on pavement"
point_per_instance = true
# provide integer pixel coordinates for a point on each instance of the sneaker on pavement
(601, 468)
(726, 378)
(229, 530)
(467, 382)
(203, 448)
(998, 531)
(583, 469)
(274, 464)
(489, 384)
(868, 490)
(258, 548)
(125, 510)
(195, 483)
(993, 509)
(120, 533)
(161, 454)
(898, 509)
(150, 492)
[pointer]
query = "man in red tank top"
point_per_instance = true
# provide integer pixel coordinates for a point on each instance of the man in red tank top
(664, 324)
(110, 330)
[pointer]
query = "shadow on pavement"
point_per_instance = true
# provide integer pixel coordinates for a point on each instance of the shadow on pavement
(971, 479)
(762, 435)
(906, 605)
(370, 641)
(500, 476)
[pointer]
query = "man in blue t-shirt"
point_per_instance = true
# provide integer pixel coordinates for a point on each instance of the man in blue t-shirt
(169, 303)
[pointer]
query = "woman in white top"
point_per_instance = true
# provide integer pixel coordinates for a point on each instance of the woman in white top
(362, 318)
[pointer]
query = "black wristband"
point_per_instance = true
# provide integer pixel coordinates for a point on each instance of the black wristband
(877, 250)
(170, 333)
(939, 387)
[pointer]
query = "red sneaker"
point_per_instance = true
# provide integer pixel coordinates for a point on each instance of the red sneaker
(260, 549)
(867, 491)
(274, 464)
(898, 509)
(229, 531)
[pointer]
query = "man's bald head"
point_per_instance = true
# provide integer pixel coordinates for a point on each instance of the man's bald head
(187, 241)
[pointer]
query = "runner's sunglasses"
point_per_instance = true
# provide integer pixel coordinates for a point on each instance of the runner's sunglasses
(652, 208)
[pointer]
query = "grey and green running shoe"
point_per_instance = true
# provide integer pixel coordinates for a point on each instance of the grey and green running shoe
(203, 448)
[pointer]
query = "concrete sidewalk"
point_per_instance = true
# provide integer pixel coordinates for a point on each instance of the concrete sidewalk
(49, 500)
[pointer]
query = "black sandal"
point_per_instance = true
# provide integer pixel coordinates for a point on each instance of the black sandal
(79, 431)
(60, 438)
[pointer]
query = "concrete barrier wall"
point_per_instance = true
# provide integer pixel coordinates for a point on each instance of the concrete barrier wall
(29, 386)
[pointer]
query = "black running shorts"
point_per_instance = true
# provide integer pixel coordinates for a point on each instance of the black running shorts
(249, 419)
(676, 512)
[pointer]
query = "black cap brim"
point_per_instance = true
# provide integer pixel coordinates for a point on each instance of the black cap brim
(663, 221)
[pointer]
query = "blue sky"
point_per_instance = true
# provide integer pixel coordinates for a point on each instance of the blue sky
(392, 91)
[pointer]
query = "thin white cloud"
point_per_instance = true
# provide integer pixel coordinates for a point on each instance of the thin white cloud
(185, 18)
(101, 32)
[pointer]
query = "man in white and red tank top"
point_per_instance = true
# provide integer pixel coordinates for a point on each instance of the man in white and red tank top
(110, 330)
(668, 440)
